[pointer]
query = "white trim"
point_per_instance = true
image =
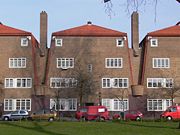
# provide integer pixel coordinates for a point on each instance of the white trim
(158, 104)
(115, 104)
(14, 105)
(122, 42)
(154, 42)
(65, 63)
(161, 62)
(116, 62)
(24, 41)
(64, 104)
(115, 82)
(58, 42)
(17, 62)
(59, 82)
(159, 83)
(14, 82)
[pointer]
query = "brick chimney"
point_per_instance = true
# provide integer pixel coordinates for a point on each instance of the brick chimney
(43, 32)
(135, 33)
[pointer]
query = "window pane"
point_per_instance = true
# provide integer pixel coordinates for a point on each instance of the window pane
(18, 82)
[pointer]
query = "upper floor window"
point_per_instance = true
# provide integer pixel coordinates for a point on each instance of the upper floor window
(24, 41)
(58, 42)
(63, 83)
(115, 83)
(89, 67)
(65, 63)
(161, 63)
(120, 42)
(159, 82)
(17, 62)
(153, 42)
(114, 62)
(18, 82)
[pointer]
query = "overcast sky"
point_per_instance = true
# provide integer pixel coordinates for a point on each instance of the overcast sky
(64, 14)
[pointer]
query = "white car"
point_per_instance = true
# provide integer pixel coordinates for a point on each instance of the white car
(16, 115)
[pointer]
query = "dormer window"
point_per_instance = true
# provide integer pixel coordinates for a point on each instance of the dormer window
(120, 42)
(24, 42)
(58, 42)
(154, 42)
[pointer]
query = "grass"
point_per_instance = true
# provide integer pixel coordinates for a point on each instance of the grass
(89, 128)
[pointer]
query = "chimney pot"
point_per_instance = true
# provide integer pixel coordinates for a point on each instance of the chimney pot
(89, 23)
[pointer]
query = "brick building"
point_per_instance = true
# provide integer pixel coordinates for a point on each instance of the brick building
(160, 67)
(18, 76)
(89, 65)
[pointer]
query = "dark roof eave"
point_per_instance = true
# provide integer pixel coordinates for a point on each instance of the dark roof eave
(163, 35)
(15, 34)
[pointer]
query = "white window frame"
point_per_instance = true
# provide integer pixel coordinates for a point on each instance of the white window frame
(18, 82)
(58, 42)
(69, 104)
(17, 62)
(115, 104)
(159, 83)
(17, 104)
(65, 63)
(158, 104)
(24, 41)
(122, 42)
(152, 41)
(63, 82)
(114, 62)
(115, 82)
(161, 62)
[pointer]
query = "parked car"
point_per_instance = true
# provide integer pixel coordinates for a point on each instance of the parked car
(171, 113)
(129, 115)
(43, 114)
(16, 115)
(92, 113)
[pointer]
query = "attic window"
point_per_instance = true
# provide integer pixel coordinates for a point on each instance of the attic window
(24, 42)
(154, 42)
(120, 42)
(58, 42)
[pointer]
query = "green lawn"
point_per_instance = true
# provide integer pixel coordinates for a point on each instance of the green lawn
(88, 128)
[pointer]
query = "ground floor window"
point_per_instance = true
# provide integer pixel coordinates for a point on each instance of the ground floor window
(17, 104)
(116, 104)
(158, 104)
(64, 104)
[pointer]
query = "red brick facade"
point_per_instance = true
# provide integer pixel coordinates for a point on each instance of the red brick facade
(88, 64)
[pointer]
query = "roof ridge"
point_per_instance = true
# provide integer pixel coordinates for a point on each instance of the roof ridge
(89, 30)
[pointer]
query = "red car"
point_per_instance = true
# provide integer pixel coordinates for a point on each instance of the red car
(172, 112)
(92, 113)
(129, 115)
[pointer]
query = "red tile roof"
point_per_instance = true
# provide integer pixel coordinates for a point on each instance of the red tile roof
(9, 31)
(173, 31)
(90, 30)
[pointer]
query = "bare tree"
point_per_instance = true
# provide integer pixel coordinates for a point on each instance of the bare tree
(86, 85)
(170, 87)
(121, 96)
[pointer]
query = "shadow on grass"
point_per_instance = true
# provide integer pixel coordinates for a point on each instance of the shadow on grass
(141, 124)
(35, 127)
